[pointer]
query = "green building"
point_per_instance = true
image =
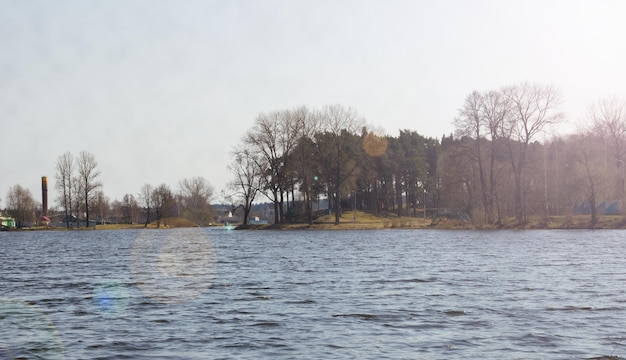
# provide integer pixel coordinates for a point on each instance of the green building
(7, 222)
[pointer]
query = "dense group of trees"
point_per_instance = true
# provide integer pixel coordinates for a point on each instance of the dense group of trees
(77, 182)
(78, 195)
(503, 123)
(190, 201)
(505, 160)
(295, 156)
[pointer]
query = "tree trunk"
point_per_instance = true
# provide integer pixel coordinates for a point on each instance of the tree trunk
(483, 190)
(592, 190)
(594, 211)
(492, 187)
(399, 196)
(519, 214)
(147, 218)
(337, 198)
(337, 212)
(276, 209)
(376, 198)
(246, 214)
(281, 215)
(309, 205)
(86, 212)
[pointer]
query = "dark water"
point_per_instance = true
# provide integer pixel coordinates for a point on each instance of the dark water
(312, 295)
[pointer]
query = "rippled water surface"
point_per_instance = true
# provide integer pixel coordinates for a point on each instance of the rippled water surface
(197, 293)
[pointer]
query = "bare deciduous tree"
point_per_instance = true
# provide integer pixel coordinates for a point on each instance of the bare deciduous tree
(129, 207)
(21, 205)
(339, 126)
(88, 179)
(162, 199)
(273, 137)
(480, 118)
(64, 176)
(101, 205)
(532, 109)
(247, 179)
(145, 195)
(196, 194)
(77, 198)
(608, 117)
(471, 124)
(304, 165)
(495, 109)
(586, 153)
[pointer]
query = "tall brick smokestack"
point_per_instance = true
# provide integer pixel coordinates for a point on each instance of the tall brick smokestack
(44, 196)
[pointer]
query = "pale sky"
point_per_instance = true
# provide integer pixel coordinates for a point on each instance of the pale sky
(159, 91)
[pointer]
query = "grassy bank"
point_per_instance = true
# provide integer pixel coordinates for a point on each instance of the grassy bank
(364, 221)
(368, 221)
(570, 222)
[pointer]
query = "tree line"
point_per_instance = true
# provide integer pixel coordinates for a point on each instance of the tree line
(507, 161)
(295, 156)
(504, 160)
(80, 195)
(191, 202)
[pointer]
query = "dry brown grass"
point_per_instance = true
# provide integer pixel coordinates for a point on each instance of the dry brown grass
(564, 222)
(369, 221)
(119, 226)
(166, 223)
(364, 221)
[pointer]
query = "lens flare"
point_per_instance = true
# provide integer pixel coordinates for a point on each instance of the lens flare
(111, 297)
(26, 333)
(374, 145)
(173, 266)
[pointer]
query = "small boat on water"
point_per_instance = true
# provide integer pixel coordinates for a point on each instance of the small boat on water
(229, 220)
(228, 226)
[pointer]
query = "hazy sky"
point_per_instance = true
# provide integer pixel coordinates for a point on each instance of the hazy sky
(159, 91)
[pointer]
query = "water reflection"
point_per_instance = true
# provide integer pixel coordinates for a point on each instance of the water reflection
(173, 266)
(27, 333)
(111, 297)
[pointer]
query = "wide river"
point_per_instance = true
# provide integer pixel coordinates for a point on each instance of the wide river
(396, 294)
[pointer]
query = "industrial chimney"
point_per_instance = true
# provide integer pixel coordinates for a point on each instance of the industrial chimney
(44, 196)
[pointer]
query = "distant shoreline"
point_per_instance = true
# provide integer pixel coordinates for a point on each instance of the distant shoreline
(370, 222)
